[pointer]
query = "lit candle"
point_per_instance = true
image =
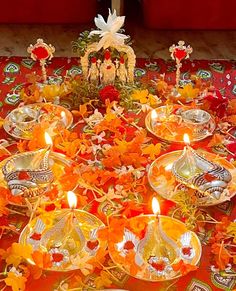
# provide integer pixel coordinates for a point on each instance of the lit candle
(156, 227)
(165, 245)
(189, 165)
(44, 153)
(72, 200)
(155, 206)
(156, 245)
(70, 218)
(186, 139)
(48, 140)
(63, 118)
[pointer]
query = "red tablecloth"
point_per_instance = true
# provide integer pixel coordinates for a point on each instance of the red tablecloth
(221, 73)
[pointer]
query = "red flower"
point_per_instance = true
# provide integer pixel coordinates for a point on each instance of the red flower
(216, 103)
(109, 92)
(57, 257)
(50, 207)
(41, 53)
(232, 147)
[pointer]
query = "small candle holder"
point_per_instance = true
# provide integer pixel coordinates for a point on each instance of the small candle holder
(68, 236)
(198, 173)
(24, 118)
(199, 121)
(156, 246)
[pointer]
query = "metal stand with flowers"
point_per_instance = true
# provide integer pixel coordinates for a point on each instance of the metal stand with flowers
(106, 54)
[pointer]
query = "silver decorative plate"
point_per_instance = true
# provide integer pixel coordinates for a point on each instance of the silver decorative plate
(20, 122)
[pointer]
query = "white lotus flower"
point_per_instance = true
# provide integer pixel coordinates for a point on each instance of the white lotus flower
(108, 30)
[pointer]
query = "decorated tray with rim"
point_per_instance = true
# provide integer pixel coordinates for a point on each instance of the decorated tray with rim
(164, 183)
(20, 122)
(169, 125)
(132, 247)
(57, 163)
(69, 239)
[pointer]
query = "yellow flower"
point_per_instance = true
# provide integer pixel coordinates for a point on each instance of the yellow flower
(152, 150)
(110, 116)
(17, 282)
(16, 253)
(153, 100)
(161, 85)
(140, 95)
(144, 97)
(50, 92)
(188, 92)
(231, 230)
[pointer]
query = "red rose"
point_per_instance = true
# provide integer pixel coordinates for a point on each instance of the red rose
(109, 92)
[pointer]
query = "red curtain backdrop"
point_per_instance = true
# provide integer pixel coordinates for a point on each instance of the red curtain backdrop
(48, 11)
(189, 14)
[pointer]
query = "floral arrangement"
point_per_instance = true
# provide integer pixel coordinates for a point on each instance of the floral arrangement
(111, 156)
(110, 153)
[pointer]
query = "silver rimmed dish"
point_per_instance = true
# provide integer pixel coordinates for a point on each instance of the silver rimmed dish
(57, 163)
(68, 236)
(172, 121)
(165, 184)
(21, 121)
(132, 248)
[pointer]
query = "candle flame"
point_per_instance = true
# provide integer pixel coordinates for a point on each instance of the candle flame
(48, 139)
(154, 114)
(63, 114)
(155, 206)
(72, 199)
(186, 138)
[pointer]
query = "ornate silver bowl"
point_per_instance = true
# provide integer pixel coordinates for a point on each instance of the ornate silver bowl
(28, 173)
(201, 174)
(24, 118)
(199, 121)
